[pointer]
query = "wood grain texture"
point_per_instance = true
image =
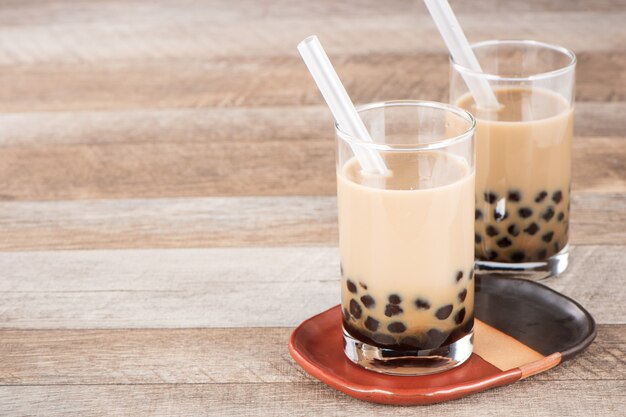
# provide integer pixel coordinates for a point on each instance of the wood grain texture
(228, 287)
(538, 398)
(203, 356)
(236, 168)
(597, 218)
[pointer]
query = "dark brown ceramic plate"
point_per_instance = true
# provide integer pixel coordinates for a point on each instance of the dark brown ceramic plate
(522, 328)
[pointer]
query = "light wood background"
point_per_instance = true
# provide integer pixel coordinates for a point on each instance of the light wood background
(167, 209)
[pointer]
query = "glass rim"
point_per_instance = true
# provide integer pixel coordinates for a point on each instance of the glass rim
(540, 75)
(437, 144)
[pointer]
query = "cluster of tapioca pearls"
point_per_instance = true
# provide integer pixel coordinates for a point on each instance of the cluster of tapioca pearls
(512, 228)
(359, 314)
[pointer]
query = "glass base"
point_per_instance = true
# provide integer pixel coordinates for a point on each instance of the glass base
(407, 362)
(553, 266)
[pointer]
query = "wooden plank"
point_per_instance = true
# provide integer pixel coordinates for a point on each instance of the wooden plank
(225, 287)
(597, 219)
(236, 168)
(199, 356)
(268, 81)
(539, 398)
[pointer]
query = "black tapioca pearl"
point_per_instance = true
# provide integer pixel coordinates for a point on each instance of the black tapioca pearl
(514, 196)
(371, 324)
(411, 341)
(525, 212)
(492, 231)
(444, 312)
(499, 215)
(460, 316)
(341, 268)
(392, 310)
(557, 196)
(478, 215)
(557, 247)
(541, 254)
(395, 299)
(547, 237)
(504, 242)
(368, 301)
(435, 338)
(462, 295)
(548, 214)
(471, 274)
(351, 286)
(355, 309)
(383, 339)
(560, 216)
(477, 238)
(541, 196)
(396, 327)
(422, 304)
(518, 256)
(346, 314)
(513, 230)
(459, 276)
(490, 197)
(491, 255)
(532, 229)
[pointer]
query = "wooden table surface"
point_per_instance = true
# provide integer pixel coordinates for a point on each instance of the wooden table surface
(167, 209)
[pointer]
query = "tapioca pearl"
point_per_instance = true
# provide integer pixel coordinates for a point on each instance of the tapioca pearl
(478, 215)
(492, 231)
(341, 268)
(560, 216)
(383, 339)
(514, 196)
(499, 215)
(393, 310)
(462, 295)
(411, 341)
(525, 212)
(490, 255)
(513, 230)
(346, 314)
(541, 196)
(444, 312)
(490, 197)
(395, 299)
(355, 309)
(368, 301)
(557, 196)
(548, 214)
(351, 286)
(435, 338)
(532, 229)
(541, 254)
(459, 276)
(477, 238)
(459, 316)
(371, 324)
(518, 256)
(547, 237)
(422, 304)
(557, 247)
(504, 242)
(471, 274)
(396, 327)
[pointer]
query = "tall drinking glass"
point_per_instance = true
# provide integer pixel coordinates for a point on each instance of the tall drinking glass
(406, 238)
(523, 155)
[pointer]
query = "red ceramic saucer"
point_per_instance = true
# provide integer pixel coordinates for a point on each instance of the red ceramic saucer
(522, 328)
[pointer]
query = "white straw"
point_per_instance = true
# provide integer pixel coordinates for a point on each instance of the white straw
(339, 103)
(461, 51)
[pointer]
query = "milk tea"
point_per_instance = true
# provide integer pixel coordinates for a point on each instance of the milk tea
(523, 158)
(407, 255)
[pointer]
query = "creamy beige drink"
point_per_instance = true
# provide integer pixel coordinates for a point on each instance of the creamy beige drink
(406, 250)
(523, 158)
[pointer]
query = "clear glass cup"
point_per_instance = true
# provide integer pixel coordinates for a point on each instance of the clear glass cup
(523, 155)
(407, 239)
